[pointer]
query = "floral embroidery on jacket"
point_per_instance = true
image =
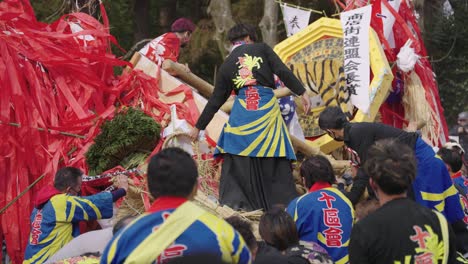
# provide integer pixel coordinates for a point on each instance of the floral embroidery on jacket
(246, 65)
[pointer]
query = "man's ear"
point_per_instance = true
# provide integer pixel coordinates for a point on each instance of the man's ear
(194, 192)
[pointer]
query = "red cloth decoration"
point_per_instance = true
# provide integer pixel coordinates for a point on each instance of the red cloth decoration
(44, 195)
(406, 28)
(59, 78)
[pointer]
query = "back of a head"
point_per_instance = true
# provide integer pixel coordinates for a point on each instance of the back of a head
(317, 168)
(182, 25)
(278, 229)
(172, 172)
(463, 116)
(451, 157)
(67, 177)
(240, 31)
(245, 230)
(332, 118)
(391, 165)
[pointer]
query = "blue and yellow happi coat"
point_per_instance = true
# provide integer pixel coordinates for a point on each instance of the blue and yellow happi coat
(258, 132)
(325, 217)
(433, 186)
(56, 223)
(206, 235)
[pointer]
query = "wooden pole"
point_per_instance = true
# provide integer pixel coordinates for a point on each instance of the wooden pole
(180, 70)
(48, 130)
(21, 194)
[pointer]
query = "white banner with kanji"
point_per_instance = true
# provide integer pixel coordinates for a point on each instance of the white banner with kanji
(356, 25)
(295, 19)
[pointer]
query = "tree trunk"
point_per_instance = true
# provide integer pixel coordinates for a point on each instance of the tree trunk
(220, 12)
(269, 23)
(167, 14)
(141, 14)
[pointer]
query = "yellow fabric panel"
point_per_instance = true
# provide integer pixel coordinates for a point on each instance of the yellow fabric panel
(183, 217)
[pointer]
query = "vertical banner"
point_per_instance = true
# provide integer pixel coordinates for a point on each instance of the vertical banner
(356, 25)
(388, 20)
(295, 19)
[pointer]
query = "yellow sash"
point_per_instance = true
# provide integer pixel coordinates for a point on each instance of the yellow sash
(445, 235)
(183, 217)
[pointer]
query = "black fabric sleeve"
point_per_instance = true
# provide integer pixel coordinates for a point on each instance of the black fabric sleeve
(283, 72)
(359, 186)
(357, 251)
(460, 231)
(456, 246)
(220, 94)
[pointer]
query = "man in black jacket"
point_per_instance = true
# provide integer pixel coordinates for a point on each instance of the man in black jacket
(255, 143)
(432, 186)
(421, 236)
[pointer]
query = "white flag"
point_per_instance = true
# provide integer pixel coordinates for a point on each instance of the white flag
(388, 20)
(295, 19)
(356, 25)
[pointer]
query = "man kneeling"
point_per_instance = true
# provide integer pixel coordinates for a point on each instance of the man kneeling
(174, 226)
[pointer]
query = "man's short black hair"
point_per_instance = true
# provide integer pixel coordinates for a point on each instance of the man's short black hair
(332, 118)
(67, 177)
(245, 230)
(240, 31)
(317, 168)
(392, 165)
(452, 158)
(278, 229)
(172, 172)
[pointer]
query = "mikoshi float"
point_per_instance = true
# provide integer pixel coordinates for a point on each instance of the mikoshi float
(59, 90)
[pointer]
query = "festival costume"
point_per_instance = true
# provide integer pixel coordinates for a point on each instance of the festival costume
(432, 186)
(255, 143)
(175, 227)
(461, 182)
(401, 232)
(54, 220)
(324, 216)
(164, 47)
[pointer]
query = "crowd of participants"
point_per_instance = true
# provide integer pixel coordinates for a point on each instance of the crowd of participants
(413, 211)
(318, 227)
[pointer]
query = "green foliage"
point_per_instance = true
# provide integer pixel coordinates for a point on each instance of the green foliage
(48, 11)
(446, 43)
(121, 22)
(122, 140)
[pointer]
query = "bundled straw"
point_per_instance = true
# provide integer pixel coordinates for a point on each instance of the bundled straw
(209, 170)
(418, 110)
(225, 211)
(133, 203)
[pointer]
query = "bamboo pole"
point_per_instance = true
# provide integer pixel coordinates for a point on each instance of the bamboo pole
(206, 89)
(22, 193)
(180, 70)
(48, 130)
